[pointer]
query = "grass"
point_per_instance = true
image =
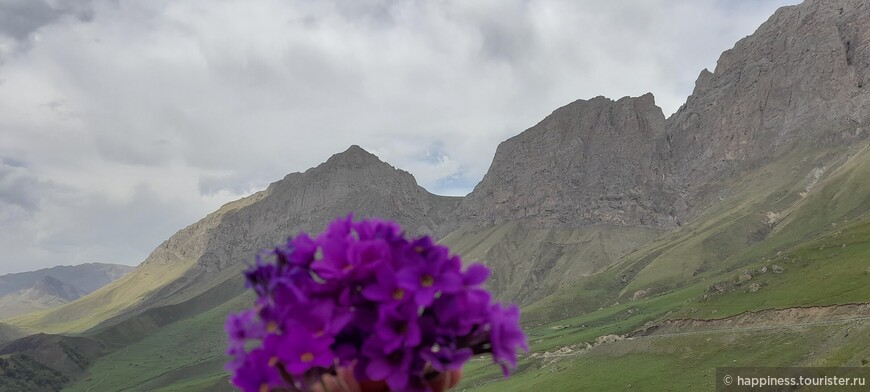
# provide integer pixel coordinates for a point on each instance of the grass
(816, 273)
(531, 263)
(678, 363)
(107, 302)
(188, 352)
(719, 243)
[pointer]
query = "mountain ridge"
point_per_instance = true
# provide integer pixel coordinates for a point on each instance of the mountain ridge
(586, 163)
(213, 250)
(605, 208)
(86, 277)
(26, 292)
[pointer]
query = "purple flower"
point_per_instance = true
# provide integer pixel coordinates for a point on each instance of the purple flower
(258, 372)
(322, 317)
(291, 288)
(377, 229)
(462, 311)
(386, 289)
(300, 251)
(241, 327)
(260, 276)
(393, 367)
(299, 350)
(506, 336)
(362, 294)
(475, 275)
(445, 356)
(435, 273)
(365, 256)
(398, 327)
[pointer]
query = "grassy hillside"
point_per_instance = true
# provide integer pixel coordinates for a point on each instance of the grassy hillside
(531, 263)
(818, 272)
(45, 362)
(107, 302)
(678, 363)
(763, 215)
(185, 355)
(166, 277)
(20, 372)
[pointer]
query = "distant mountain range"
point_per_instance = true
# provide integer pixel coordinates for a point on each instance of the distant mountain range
(27, 292)
(604, 218)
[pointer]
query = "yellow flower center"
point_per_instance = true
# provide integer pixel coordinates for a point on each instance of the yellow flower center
(398, 294)
(307, 357)
(348, 267)
(427, 281)
(272, 326)
(264, 387)
(418, 249)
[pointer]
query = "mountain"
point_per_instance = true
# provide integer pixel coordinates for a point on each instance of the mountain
(803, 78)
(568, 197)
(201, 263)
(784, 109)
(45, 362)
(46, 293)
(28, 292)
(84, 277)
(9, 333)
(735, 227)
(590, 162)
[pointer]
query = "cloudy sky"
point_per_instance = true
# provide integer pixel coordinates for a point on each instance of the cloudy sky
(123, 121)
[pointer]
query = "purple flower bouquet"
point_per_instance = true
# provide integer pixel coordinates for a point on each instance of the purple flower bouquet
(361, 296)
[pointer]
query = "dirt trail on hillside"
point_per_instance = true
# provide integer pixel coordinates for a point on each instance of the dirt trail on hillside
(762, 319)
(768, 319)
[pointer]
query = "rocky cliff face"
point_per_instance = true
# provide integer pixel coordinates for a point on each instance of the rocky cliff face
(802, 77)
(800, 81)
(590, 162)
(354, 181)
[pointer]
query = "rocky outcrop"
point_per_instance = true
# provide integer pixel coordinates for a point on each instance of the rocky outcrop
(594, 161)
(802, 77)
(354, 181)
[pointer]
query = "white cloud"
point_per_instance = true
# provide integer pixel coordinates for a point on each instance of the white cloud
(133, 119)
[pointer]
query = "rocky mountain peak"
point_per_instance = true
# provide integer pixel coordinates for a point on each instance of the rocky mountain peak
(348, 172)
(354, 181)
(354, 158)
(800, 78)
(592, 161)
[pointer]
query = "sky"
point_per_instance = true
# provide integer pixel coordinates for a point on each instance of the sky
(121, 122)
